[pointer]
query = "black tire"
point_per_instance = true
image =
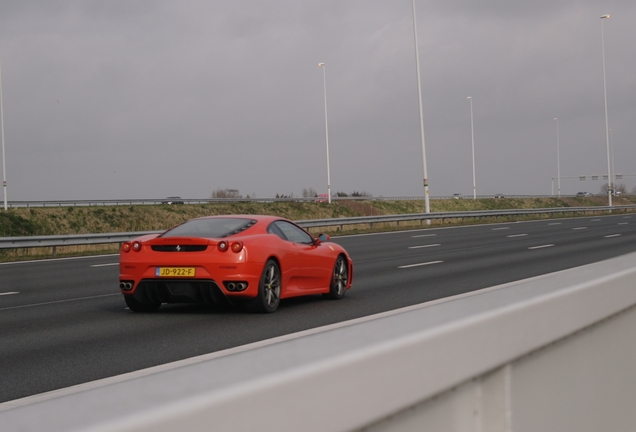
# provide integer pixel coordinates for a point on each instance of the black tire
(269, 288)
(339, 279)
(137, 306)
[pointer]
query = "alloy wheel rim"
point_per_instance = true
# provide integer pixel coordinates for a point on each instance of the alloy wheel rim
(272, 286)
(341, 275)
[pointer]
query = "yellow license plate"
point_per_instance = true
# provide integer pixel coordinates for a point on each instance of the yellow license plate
(175, 272)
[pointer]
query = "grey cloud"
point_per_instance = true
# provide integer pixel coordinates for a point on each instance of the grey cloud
(135, 99)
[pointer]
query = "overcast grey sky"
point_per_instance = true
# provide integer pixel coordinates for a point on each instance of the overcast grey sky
(149, 98)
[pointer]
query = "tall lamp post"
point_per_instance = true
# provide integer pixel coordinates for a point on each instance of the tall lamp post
(612, 151)
(609, 171)
(472, 135)
(324, 81)
(427, 206)
(4, 168)
(558, 161)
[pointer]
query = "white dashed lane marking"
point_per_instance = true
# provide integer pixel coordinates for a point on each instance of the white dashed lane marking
(424, 246)
(420, 264)
(541, 247)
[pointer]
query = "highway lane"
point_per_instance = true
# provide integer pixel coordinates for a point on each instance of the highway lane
(63, 322)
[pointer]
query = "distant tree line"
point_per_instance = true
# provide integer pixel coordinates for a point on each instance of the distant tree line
(618, 189)
(311, 192)
(226, 193)
(307, 193)
(354, 194)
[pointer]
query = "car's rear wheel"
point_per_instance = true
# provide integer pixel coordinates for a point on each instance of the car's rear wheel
(137, 306)
(339, 279)
(269, 288)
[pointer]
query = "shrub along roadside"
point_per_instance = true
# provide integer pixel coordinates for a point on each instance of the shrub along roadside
(87, 220)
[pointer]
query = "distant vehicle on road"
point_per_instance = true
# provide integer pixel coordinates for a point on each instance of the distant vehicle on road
(457, 196)
(499, 195)
(322, 198)
(583, 194)
(173, 200)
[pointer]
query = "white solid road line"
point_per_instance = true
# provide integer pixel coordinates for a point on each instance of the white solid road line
(55, 259)
(579, 228)
(612, 235)
(9, 293)
(517, 235)
(104, 265)
(230, 351)
(424, 235)
(502, 228)
(58, 301)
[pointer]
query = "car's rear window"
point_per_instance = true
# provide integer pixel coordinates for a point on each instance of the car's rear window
(210, 228)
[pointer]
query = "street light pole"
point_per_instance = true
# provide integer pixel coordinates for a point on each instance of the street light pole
(613, 166)
(609, 171)
(472, 135)
(558, 160)
(427, 206)
(324, 81)
(4, 168)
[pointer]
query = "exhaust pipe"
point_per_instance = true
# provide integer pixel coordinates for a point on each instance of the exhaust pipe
(235, 286)
(125, 286)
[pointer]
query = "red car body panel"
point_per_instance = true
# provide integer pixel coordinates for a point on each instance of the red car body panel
(305, 268)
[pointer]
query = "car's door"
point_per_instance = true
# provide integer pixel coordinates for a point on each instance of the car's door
(311, 266)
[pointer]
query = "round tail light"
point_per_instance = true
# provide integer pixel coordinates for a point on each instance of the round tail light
(237, 246)
(223, 246)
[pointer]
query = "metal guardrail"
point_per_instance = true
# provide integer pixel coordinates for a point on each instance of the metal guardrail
(550, 353)
(457, 215)
(151, 201)
(68, 240)
(105, 238)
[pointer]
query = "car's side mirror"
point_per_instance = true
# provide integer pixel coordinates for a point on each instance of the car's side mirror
(321, 238)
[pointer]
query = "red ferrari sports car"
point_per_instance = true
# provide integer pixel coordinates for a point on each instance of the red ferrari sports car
(255, 260)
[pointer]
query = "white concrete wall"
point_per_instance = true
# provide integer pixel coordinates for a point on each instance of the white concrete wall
(583, 382)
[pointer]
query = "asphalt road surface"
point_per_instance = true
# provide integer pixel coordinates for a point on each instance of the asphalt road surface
(63, 322)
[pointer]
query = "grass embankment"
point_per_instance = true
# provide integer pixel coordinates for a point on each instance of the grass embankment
(87, 220)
